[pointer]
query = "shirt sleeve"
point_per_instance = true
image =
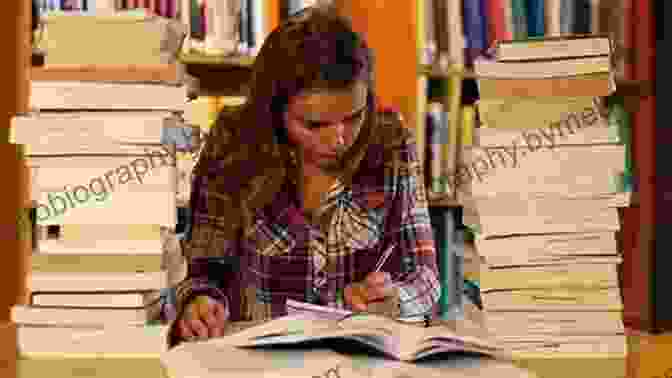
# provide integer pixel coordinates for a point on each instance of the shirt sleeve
(203, 246)
(419, 288)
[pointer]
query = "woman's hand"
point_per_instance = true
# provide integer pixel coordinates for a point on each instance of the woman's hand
(203, 318)
(375, 287)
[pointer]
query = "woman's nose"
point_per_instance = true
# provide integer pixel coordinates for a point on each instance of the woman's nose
(334, 135)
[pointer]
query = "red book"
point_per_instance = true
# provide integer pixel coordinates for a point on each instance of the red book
(639, 261)
(495, 16)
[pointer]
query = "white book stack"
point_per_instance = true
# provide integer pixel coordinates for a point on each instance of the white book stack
(105, 177)
(545, 217)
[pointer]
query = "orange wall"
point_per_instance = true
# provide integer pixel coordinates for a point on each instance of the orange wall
(391, 31)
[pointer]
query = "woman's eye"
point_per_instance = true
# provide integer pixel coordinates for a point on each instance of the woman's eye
(316, 125)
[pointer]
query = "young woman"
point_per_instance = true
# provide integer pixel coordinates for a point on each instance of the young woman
(306, 188)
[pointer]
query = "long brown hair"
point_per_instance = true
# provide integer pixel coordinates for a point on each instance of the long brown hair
(247, 157)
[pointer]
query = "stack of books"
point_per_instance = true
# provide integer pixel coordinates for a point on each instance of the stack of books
(545, 182)
(105, 178)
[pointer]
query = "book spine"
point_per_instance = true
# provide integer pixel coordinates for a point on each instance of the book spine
(582, 17)
(473, 28)
(535, 18)
(468, 125)
(447, 264)
(436, 132)
(519, 19)
(251, 30)
(553, 8)
(243, 25)
(595, 16)
(496, 22)
(566, 16)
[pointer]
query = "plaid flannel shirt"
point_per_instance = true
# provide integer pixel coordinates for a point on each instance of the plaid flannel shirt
(285, 255)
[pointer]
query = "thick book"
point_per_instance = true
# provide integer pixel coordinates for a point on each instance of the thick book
(552, 300)
(95, 300)
(95, 282)
(542, 69)
(556, 47)
(374, 333)
(134, 73)
(59, 252)
(66, 367)
(573, 120)
(550, 276)
(114, 133)
(115, 39)
(565, 171)
(605, 346)
(594, 85)
(514, 323)
(78, 317)
(536, 249)
(94, 262)
(508, 215)
(80, 95)
(118, 343)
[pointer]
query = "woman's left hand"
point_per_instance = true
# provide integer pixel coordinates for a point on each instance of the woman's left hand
(375, 287)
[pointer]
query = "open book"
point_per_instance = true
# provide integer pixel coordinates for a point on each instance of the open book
(365, 333)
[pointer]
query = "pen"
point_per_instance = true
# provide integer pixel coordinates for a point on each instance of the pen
(384, 257)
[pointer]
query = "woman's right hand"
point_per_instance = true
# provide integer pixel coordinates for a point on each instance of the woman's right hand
(202, 318)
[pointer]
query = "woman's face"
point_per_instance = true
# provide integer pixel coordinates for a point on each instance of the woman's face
(324, 124)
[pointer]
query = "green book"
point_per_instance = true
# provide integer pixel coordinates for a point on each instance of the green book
(443, 224)
(619, 118)
(519, 16)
